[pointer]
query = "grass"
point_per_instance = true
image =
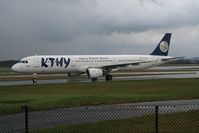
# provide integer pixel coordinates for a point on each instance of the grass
(183, 122)
(77, 94)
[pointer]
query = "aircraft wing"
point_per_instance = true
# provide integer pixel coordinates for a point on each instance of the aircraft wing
(124, 65)
(173, 58)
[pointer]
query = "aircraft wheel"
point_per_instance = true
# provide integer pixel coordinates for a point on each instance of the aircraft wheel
(109, 77)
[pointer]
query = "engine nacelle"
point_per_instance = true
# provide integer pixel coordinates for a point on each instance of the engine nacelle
(94, 73)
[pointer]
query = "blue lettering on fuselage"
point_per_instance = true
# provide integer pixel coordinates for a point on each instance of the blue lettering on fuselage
(59, 62)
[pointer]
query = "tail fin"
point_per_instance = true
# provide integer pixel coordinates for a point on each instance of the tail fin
(163, 47)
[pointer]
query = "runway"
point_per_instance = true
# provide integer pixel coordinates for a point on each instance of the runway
(89, 114)
(169, 72)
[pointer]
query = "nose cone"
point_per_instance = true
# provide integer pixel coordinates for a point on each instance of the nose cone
(16, 68)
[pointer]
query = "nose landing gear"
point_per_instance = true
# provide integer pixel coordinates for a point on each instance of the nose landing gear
(35, 78)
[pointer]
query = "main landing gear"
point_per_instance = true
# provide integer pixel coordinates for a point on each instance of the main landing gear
(108, 77)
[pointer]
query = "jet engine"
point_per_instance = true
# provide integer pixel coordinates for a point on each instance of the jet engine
(94, 73)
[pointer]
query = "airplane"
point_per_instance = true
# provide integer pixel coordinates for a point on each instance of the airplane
(94, 66)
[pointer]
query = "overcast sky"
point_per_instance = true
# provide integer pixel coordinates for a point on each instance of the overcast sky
(68, 27)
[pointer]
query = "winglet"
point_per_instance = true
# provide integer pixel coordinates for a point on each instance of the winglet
(163, 47)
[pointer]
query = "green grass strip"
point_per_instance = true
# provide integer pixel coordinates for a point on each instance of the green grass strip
(46, 96)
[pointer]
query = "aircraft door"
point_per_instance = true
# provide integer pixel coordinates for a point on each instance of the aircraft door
(36, 64)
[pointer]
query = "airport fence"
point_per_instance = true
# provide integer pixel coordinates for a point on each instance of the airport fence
(103, 119)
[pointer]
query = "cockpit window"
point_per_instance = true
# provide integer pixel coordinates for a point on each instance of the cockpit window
(23, 61)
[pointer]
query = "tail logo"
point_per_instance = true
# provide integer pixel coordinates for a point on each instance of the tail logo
(164, 46)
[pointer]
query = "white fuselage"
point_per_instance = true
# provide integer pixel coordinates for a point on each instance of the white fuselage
(94, 65)
(80, 63)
